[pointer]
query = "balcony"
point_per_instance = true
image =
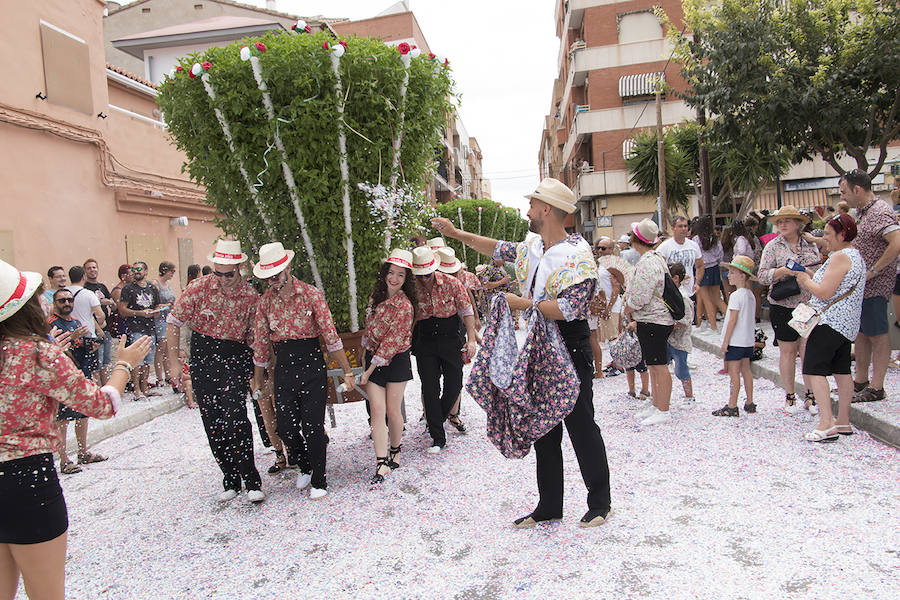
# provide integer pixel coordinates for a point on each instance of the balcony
(592, 183)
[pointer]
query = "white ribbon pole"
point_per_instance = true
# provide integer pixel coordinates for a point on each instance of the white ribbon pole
(459, 212)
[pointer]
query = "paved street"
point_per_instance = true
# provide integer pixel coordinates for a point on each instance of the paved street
(704, 507)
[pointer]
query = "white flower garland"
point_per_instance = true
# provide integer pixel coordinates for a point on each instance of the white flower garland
(398, 139)
(459, 212)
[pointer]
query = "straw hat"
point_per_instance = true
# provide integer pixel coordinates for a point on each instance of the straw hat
(273, 259)
(744, 264)
(435, 243)
(449, 263)
(555, 193)
(227, 252)
(401, 257)
(788, 212)
(16, 287)
(480, 268)
(624, 239)
(647, 231)
(424, 261)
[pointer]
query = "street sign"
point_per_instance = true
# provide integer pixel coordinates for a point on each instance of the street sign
(604, 221)
(588, 226)
(587, 223)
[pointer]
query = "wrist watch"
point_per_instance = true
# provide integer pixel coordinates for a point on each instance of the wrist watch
(873, 271)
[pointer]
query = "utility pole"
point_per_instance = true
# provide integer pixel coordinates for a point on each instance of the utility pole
(705, 184)
(661, 161)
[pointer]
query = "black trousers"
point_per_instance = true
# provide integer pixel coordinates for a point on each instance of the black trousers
(583, 432)
(220, 373)
(300, 393)
(438, 348)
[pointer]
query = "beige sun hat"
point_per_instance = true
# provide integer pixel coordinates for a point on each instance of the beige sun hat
(227, 252)
(436, 243)
(16, 287)
(743, 264)
(424, 261)
(400, 257)
(788, 212)
(448, 262)
(555, 193)
(480, 268)
(273, 259)
(647, 231)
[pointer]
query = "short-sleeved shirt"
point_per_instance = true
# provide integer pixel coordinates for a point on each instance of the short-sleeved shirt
(686, 254)
(217, 311)
(645, 294)
(744, 302)
(446, 298)
(711, 257)
(136, 297)
(874, 221)
(776, 254)
(389, 329)
(102, 293)
(64, 324)
(680, 338)
(83, 309)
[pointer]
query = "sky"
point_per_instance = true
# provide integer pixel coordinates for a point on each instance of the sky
(503, 55)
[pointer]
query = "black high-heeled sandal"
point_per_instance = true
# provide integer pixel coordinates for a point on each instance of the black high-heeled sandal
(395, 450)
(280, 463)
(378, 477)
(453, 419)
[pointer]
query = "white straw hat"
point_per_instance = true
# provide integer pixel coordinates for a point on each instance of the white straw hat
(273, 259)
(448, 262)
(647, 231)
(400, 257)
(227, 252)
(424, 261)
(624, 239)
(435, 243)
(16, 287)
(555, 193)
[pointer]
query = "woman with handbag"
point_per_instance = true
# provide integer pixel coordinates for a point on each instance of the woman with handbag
(837, 295)
(785, 294)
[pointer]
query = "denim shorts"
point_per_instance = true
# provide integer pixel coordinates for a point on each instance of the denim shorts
(104, 353)
(682, 372)
(738, 353)
(712, 276)
(874, 319)
(148, 360)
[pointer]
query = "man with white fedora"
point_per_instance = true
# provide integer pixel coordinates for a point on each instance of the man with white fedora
(557, 275)
(442, 301)
(290, 318)
(219, 308)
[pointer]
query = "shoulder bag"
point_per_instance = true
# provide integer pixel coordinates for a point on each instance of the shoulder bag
(804, 318)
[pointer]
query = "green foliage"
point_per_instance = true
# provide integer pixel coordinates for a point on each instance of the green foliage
(817, 76)
(301, 82)
(643, 167)
(497, 221)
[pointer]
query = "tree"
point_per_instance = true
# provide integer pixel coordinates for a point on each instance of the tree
(642, 164)
(820, 77)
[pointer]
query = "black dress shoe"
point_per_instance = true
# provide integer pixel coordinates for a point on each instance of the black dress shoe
(594, 517)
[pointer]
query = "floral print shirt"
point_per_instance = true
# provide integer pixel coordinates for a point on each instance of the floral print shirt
(470, 280)
(843, 316)
(446, 298)
(297, 312)
(776, 254)
(876, 220)
(495, 273)
(214, 310)
(35, 377)
(389, 329)
(645, 293)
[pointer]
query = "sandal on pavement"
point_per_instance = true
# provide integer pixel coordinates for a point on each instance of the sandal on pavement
(726, 411)
(87, 458)
(453, 419)
(817, 435)
(858, 387)
(749, 407)
(869, 394)
(378, 477)
(69, 468)
(594, 517)
(844, 429)
(280, 462)
(394, 451)
(529, 521)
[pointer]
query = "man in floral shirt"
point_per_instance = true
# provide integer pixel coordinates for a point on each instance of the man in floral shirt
(557, 275)
(219, 308)
(878, 240)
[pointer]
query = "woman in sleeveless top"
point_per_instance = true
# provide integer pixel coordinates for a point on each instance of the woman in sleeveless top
(837, 295)
(166, 301)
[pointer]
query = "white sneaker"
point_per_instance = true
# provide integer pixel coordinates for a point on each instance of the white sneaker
(317, 493)
(255, 496)
(645, 411)
(433, 450)
(656, 417)
(227, 495)
(813, 409)
(303, 480)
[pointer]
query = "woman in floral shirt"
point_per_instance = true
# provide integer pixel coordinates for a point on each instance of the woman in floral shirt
(36, 375)
(388, 367)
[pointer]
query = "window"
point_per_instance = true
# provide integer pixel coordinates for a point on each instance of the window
(67, 73)
(639, 27)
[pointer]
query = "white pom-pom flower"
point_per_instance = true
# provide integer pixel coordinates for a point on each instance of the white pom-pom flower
(415, 52)
(245, 53)
(196, 69)
(339, 50)
(301, 24)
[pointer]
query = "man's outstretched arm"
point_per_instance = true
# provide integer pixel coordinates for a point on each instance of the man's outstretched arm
(484, 245)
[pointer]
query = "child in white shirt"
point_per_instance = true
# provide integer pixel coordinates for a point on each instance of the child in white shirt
(739, 335)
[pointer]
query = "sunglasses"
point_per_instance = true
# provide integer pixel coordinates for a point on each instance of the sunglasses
(229, 274)
(65, 300)
(137, 269)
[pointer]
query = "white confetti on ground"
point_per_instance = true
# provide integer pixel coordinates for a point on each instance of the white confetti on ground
(704, 507)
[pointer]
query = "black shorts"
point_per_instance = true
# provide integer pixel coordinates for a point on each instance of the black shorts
(897, 285)
(396, 371)
(780, 315)
(827, 353)
(64, 413)
(32, 507)
(653, 338)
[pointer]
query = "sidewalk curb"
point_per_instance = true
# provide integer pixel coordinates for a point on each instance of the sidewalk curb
(100, 430)
(882, 430)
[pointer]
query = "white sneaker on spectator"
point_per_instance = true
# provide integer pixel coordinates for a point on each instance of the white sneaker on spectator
(255, 496)
(228, 495)
(656, 417)
(433, 450)
(317, 493)
(303, 480)
(645, 411)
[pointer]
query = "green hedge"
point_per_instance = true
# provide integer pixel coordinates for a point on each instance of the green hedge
(299, 76)
(497, 221)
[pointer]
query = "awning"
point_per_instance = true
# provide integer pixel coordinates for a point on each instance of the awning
(642, 84)
(800, 199)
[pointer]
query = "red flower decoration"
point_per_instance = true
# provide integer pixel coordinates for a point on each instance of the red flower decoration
(432, 56)
(260, 46)
(403, 47)
(179, 69)
(191, 74)
(307, 29)
(206, 65)
(446, 62)
(325, 45)
(343, 43)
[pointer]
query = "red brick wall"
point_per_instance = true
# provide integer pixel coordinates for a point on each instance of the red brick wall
(388, 28)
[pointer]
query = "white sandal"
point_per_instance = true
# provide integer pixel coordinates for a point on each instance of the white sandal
(817, 435)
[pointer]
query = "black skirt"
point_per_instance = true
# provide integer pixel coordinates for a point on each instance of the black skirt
(396, 371)
(32, 507)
